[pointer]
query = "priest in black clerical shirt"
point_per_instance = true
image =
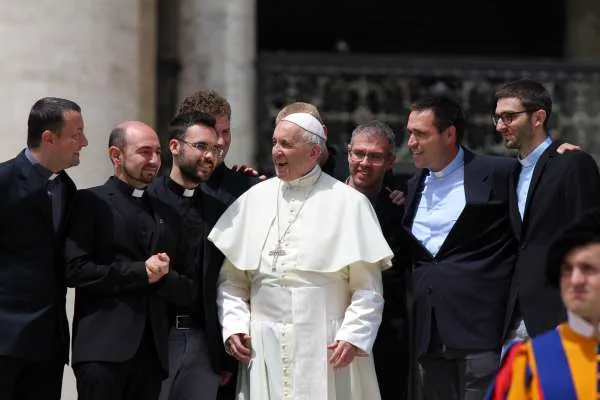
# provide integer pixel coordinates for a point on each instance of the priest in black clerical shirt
(196, 353)
(129, 260)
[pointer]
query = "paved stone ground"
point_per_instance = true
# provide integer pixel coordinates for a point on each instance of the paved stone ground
(69, 391)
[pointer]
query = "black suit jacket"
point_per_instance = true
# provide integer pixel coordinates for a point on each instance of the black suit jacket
(466, 284)
(222, 188)
(33, 321)
(390, 216)
(208, 265)
(563, 187)
(391, 347)
(108, 242)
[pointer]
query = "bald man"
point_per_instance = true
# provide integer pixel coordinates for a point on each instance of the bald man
(128, 261)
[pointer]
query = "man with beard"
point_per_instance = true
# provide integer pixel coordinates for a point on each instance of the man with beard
(371, 153)
(547, 191)
(34, 206)
(223, 186)
(127, 259)
(195, 345)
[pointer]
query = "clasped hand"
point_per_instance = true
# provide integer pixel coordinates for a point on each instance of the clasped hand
(157, 266)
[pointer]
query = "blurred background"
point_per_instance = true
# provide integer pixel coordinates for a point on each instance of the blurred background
(354, 59)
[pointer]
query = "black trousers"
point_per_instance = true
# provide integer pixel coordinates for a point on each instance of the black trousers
(228, 391)
(391, 356)
(191, 376)
(27, 380)
(451, 374)
(137, 379)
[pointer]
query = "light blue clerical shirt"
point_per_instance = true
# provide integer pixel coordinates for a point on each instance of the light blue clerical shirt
(527, 167)
(442, 202)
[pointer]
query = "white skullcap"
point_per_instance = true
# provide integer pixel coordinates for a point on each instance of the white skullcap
(308, 123)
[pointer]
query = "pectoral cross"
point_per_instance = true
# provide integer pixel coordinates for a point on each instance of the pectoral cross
(275, 253)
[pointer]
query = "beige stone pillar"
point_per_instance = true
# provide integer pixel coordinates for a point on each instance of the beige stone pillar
(217, 49)
(97, 53)
(100, 54)
(582, 33)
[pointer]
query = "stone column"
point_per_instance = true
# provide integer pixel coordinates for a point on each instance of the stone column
(101, 54)
(582, 33)
(97, 53)
(581, 115)
(217, 49)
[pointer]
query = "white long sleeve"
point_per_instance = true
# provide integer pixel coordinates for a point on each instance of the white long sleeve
(363, 315)
(233, 297)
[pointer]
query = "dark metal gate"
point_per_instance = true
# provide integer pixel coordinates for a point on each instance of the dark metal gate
(349, 89)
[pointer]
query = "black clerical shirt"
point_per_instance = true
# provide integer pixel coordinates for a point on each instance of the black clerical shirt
(187, 204)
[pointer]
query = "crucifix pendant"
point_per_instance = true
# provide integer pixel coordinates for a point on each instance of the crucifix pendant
(275, 253)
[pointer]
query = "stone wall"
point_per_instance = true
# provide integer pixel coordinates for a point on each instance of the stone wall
(97, 53)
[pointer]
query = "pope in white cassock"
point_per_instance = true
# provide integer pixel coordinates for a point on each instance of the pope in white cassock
(300, 295)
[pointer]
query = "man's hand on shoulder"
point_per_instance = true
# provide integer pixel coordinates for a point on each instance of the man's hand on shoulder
(247, 170)
(564, 147)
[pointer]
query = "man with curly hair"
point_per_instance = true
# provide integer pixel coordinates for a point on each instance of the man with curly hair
(222, 188)
(224, 184)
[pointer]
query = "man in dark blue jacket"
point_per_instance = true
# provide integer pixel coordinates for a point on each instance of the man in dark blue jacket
(34, 205)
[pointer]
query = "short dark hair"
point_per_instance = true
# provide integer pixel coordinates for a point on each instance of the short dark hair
(533, 95)
(206, 101)
(446, 113)
(379, 129)
(47, 114)
(117, 138)
(583, 231)
(182, 122)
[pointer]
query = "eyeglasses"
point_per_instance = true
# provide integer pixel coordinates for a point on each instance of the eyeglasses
(507, 117)
(204, 148)
(373, 158)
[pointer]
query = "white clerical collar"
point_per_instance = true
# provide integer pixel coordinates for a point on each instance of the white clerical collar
(178, 189)
(580, 326)
(306, 180)
(52, 177)
(137, 193)
(532, 158)
(456, 163)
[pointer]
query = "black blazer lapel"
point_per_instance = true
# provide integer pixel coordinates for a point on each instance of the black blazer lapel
(477, 191)
(414, 187)
(33, 185)
(546, 156)
(477, 188)
(70, 190)
(513, 205)
(413, 196)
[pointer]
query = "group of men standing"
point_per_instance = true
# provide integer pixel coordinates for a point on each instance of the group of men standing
(323, 285)
(134, 249)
